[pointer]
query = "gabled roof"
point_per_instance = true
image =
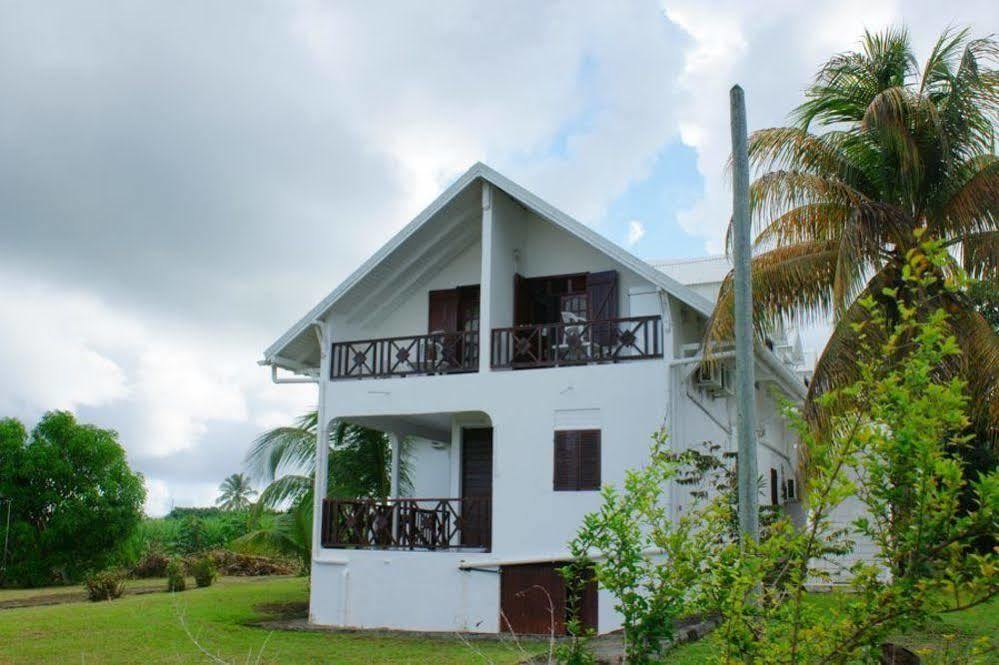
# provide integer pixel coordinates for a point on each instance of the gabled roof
(301, 334)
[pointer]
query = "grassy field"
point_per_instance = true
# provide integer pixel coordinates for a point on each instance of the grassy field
(216, 625)
(168, 628)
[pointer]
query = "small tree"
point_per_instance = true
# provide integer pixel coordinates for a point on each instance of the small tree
(73, 499)
(894, 443)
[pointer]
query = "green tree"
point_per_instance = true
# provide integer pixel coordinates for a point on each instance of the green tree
(74, 501)
(880, 148)
(235, 493)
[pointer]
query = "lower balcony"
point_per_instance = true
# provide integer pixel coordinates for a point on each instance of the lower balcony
(577, 342)
(408, 524)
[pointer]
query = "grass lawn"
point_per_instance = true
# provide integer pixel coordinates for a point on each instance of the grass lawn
(940, 642)
(149, 628)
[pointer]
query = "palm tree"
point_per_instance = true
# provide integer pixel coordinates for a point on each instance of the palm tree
(359, 462)
(288, 533)
(881, 156)
(235, 493)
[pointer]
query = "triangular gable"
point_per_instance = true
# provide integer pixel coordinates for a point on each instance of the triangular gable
(301, 333)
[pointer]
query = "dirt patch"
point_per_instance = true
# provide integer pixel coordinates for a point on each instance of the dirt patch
(68, 597)
(284, 611)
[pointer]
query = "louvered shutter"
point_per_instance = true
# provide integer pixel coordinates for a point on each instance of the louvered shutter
(566, 472)
(589, 459)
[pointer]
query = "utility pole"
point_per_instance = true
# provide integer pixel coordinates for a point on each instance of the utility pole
(745, 380)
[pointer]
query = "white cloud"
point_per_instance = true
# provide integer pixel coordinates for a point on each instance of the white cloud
(773, 50)
(55, 349)
(164, 386)
(636, 231)
(501, 83)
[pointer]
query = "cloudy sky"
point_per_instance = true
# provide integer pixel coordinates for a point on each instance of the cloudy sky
(181, 180)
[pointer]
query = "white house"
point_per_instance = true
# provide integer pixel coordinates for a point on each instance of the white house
(526, 360)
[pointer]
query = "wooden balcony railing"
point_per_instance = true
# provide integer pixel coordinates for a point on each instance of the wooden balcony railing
(555, 344)
(436, 353)
(408, 524)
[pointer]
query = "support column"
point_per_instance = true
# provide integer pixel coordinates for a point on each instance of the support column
(395, 441)
(322, 438)
(486, 280)
(745, 381)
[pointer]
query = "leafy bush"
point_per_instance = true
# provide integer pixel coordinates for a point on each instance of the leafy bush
(105, 585)
(204, 571)
(175, 575)
(153, 563)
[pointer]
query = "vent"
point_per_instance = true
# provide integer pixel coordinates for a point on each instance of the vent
(714, 379)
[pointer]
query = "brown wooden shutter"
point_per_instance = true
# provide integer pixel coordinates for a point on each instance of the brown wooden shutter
(443, 315)
(577, 460)
(589, 459)
(566, 468)
(601, 291)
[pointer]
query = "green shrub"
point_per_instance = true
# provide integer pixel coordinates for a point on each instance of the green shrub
(204, 571)
(153, 563)
(105, 585)
(175, 575)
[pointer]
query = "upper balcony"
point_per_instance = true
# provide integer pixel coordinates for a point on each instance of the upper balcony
(575, 341)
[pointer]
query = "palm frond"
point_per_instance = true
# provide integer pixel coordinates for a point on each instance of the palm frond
(789, 283)
(284, 449)
(970, 200)
(286, 490)
(845, 85)
(794, 149)
(980, 253)
(978, 364)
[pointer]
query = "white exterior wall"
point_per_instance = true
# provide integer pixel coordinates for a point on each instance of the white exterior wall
(429, 468)
(530, 519)
(404, 590)
(410, 317)
(628, 402)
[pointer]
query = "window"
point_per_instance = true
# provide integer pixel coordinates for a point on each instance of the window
(577, 460)
(774, 499)
(576, 303)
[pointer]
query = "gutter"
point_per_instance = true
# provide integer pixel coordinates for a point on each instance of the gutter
(488, 564)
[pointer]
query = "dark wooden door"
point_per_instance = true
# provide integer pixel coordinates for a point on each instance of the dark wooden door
(533, 600)
(477, 487)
